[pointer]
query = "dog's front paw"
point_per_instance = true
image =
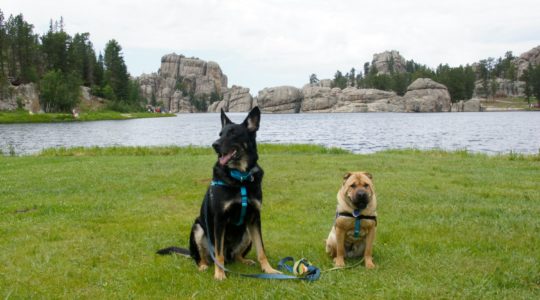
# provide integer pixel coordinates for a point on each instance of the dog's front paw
(369, 264)
(219, 274)
(203, 267)
(339, 262)
(270, 270)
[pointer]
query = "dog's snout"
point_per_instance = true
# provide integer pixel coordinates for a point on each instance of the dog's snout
(361, 194)
(361, 198)
(217, 146)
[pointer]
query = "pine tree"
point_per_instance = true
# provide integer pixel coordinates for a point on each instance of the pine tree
(54, 46)
(22, 55)
(116, 75)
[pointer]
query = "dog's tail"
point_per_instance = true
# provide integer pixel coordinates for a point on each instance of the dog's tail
(173, 249)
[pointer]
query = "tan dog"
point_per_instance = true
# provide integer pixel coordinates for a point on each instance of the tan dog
(354, 229)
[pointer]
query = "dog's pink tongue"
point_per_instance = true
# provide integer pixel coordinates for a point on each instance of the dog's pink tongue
(225, 158)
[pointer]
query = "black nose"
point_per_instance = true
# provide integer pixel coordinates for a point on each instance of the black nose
(217, 146)
(360, 194)
(361, 199)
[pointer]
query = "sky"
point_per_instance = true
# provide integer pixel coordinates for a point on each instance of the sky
(267, 43)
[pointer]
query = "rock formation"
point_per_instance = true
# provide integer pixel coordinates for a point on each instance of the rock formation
(424, 95)
(235, 99)
(472, 105)
(281, 99)
(181, 83)
(505, 88)
(388, 62)
(530, 57)
(23, 96)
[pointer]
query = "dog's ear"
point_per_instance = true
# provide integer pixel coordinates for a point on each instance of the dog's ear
(368, 175)
(253, 119)
(224, 119)
(346, 176)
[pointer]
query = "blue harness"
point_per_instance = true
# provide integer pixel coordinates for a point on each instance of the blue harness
(242, 177)
(358, 219)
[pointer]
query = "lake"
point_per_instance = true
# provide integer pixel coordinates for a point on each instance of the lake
(487, 132)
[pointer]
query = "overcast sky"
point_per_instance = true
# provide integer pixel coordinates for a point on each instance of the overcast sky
(264, 43)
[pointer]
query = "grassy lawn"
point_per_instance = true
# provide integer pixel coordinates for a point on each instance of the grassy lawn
(509, 103)
(85, 223)
(24, 117)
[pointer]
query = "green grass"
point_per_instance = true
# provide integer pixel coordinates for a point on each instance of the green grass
(21, 116)
(85, 223)
(509, 103)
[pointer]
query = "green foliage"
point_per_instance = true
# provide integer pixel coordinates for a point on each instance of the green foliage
(181, 85)
(340, 81)
(200, 102)
(459, 81)
(313, 79)
(82, 58)
(59, 93)
(54, 46)
(215, 96)
(531, 76)
(19, 55)
(23, 59)
(116, 75)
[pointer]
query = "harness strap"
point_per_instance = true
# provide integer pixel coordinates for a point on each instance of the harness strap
(243, 195)
(358, 219)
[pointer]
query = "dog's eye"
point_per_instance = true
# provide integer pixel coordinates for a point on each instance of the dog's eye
(366, 186)
(353, 185)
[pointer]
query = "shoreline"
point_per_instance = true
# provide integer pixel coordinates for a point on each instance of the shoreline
(22, 117)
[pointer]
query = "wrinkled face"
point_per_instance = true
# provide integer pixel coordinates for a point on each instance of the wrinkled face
(358, 189)
(236, 147)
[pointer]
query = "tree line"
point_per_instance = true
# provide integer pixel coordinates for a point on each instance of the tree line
(460, 81)
(60, 63)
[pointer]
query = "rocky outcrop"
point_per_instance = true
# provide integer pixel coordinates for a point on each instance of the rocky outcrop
(361, 100)
(503, 87)
(24, 96)
(472, 105)
(181, 82)
(318, 98)
(530, 57)
(388, 62)
(235, 99)
(281, 99)
(426, 95)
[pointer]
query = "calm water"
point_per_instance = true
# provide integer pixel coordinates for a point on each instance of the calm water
(494, 132)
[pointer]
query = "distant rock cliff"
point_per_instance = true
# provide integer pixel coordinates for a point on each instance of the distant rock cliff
(190, 85)
(530, 57)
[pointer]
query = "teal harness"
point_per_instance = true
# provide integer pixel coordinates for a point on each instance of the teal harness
(358, 219)
(242, 177)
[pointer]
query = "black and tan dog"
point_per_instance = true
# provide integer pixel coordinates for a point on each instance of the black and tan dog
(230, 215)
(355, 225)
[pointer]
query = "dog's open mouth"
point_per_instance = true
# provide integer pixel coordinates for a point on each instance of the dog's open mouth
(225, 158)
